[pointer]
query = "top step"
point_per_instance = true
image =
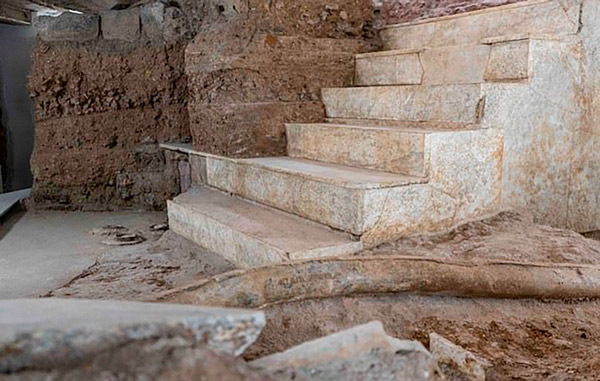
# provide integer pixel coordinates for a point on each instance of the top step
(534, 17)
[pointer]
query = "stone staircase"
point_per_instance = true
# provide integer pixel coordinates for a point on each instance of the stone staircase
(409, 150)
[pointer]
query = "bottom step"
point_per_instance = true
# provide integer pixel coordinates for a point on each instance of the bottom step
(251, 235)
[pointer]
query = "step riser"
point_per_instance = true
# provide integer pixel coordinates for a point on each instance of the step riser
(238, 248)
(470, 64)
(338, 207)
(453, 103)
(387, 150)
(541, 18)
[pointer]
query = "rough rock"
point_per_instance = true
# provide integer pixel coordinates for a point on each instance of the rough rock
(362, 353)
(68, 26)
(509, 236)
(44, 334)
(447, 352)
(257, 66)
(121, 24)
(152, 17)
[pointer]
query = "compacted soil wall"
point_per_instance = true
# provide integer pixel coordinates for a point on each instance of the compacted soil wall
(103, 102)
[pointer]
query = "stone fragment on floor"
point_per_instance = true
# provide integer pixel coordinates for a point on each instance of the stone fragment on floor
(446, 352)
(361, 353)
(46, 334)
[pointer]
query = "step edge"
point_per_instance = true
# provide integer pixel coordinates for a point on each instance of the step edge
(405, 130)
(405, 181)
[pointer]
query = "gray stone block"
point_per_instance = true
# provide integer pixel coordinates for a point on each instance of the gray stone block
(68, 26)
(50, 333)
(153, 17)
(365, 352)
(121, 24)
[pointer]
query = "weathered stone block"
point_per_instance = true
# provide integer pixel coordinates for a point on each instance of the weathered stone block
(526, 18)
(447, 103)
(361, 353)
(121, 24)
(198, 169)
(50, 333)
(251, 235)
(330, 194)
(152, 17)
(447, 352)
(68, 26)
(388, 68)
(509, 61)
(380, 148)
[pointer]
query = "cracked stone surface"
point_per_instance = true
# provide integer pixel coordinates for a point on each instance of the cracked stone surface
(39, 334)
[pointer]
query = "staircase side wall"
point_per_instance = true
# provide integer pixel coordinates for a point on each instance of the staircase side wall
(546, 121)
(584, 191)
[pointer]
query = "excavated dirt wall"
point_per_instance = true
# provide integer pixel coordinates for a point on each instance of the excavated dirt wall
(101, 108)
(260, 64)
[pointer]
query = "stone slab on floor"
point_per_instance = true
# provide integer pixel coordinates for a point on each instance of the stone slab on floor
(364, 352)
(49, 333)
(251, 235)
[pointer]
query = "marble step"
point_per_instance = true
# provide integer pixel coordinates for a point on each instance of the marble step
(389, 149)
(465, 64)
(534, 17)
(251, 235)
(334, 195)
(446, 103)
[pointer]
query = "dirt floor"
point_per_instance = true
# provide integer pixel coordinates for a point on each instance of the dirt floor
(524, 339)
(508, 236)
(140, 272)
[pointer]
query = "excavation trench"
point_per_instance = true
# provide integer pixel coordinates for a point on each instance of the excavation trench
(328, 278)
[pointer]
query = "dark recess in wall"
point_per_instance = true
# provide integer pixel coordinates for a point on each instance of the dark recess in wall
(16, 43)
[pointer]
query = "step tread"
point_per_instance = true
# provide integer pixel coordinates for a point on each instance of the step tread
(284, 231)
(420, 128)
(334, 173)
(405, 125)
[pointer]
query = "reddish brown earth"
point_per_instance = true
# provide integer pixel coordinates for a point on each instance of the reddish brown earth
(399, 11)
(524, 339)
(100, 109)
(255, 66)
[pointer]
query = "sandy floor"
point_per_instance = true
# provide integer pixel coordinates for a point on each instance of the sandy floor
(42, 250)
